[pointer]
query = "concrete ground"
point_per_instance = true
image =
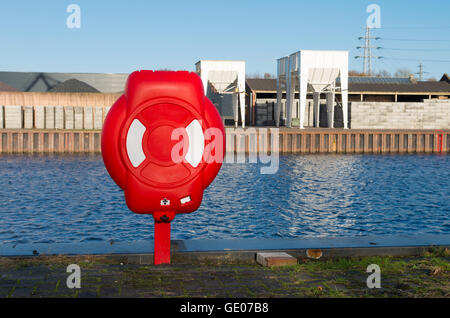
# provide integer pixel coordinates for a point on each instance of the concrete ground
(427, 275)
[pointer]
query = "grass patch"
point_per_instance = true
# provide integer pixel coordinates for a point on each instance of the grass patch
(57, 285)
(422, 276)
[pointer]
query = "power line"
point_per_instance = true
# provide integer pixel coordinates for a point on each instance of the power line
(388, 65)
(421, 72)
(367, 56)
(410, 59)
(394, 62)
(416, 27)
(381, 66)
(413, 40)
(425, 50)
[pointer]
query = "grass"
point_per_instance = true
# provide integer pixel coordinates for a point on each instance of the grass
(422, 276)
(57, 285)
(426, 276)
(11, 292)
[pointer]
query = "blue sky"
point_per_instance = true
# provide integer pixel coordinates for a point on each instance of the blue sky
(121, 36)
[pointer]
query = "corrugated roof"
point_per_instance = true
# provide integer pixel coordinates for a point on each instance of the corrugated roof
(419, 87)
(74, 86)
(262, 84)
(43, 82)
(378, 80)
(6, 88)
(270, 85)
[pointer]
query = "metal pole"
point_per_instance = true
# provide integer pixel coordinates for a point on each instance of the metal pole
(161, 253)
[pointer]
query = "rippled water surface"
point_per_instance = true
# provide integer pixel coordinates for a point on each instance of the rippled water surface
(58, 199)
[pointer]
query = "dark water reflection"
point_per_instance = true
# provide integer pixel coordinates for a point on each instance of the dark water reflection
(72, 199)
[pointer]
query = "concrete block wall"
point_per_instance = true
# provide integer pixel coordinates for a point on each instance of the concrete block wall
(78, 117)
(1, 117)
(39, 117)
(52, 117)
(28, 117)
(105, 112)
(98, 117)
(49, 117)
(429, 114)
(88, 117)
(13, 117)
(69, 117)
(59, 117)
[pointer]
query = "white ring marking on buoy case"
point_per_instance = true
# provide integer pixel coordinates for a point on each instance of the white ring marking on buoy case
(196, 143)
(135, 135)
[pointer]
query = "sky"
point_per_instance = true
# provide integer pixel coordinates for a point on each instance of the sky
(123, 36)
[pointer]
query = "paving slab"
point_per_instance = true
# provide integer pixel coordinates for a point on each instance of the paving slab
(275, 259)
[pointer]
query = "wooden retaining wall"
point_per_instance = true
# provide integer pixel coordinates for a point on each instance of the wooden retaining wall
(58, 99)
(289, 141)
(364, 141)
(50, 141)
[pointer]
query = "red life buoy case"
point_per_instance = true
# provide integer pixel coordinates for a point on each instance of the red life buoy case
(162, 113)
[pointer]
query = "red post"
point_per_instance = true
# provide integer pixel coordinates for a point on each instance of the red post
(440, 143)
(161, 253)
(440, 136)
(162, 243)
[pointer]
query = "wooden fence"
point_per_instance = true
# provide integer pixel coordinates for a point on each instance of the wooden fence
(282, 140)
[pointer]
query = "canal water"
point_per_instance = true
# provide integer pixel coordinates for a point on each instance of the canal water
(69, 199)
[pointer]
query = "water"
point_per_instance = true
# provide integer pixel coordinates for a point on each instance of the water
(62, 199)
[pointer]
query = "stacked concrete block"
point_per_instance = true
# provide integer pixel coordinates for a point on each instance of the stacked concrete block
(28, 120)
(78, 117)
(106, 112)
(39, 117)
(68, 117)
(1, 117)
(13, 117)
(424, 115)
(49, 117)
(88, 118)
(59, 117)
(98, 117)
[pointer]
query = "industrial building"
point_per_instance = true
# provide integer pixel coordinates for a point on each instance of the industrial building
(224, 84)
(261, 111)
(317, 71)
(228, 89)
